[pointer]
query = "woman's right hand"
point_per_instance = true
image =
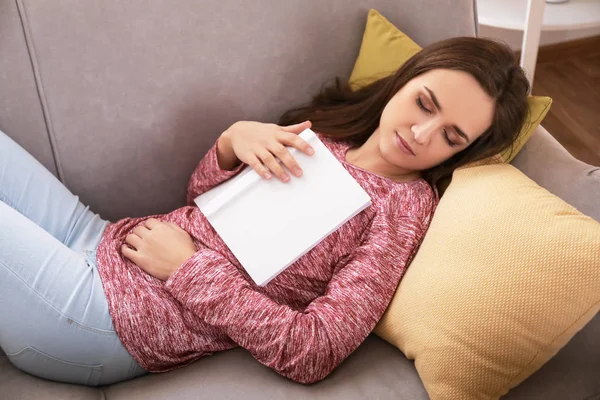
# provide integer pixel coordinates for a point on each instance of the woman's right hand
(258, 145)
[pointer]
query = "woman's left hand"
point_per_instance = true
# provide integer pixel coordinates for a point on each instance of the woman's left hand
(159, 247)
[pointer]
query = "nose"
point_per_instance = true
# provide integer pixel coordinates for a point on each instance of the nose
(424, 130)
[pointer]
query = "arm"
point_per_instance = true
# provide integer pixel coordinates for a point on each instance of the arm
(256, 144)
(217, 166)
(302, 345)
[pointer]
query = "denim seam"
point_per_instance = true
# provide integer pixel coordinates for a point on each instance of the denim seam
(87, 251)
(96, 330)
(31, 348)
(5, 201)
(37, 77)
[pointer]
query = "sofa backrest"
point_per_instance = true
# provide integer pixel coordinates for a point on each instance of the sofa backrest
(120, 100)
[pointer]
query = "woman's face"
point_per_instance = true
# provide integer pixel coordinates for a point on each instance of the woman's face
(437, 114)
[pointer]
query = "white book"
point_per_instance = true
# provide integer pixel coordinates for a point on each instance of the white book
(268, 224)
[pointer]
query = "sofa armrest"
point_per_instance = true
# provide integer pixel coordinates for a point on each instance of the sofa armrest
(551, 166)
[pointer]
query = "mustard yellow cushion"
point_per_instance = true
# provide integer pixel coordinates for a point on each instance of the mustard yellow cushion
(385, 48)
(506, 275)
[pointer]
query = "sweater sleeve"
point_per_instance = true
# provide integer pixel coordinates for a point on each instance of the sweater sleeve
(208, 174)
(307, 345)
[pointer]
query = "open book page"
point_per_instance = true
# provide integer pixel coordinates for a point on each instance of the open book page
(268, 224)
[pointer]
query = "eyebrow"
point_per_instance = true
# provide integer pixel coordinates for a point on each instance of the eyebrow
(437, 105)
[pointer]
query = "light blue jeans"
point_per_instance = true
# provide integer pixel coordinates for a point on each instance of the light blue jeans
(54, 318)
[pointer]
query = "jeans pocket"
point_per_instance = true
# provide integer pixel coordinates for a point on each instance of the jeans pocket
(40, 364)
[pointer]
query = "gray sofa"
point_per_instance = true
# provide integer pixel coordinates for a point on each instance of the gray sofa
(121, 99)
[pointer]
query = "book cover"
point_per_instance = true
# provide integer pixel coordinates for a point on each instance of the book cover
(268, 224)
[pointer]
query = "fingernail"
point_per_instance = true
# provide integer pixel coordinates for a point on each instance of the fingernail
(286, 178)
(268, 175)
(311, 151)
(297, 171)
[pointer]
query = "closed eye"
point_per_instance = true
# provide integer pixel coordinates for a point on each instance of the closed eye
(421, 106)
(450, 142)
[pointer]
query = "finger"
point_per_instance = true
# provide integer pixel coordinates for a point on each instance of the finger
(297, 128)
(297, 142)
(132, 255)
(286, 158)
(151, 223)
(141, 231)
(176, 227)
(270, 162)
(133, 240)
(258, 166)
(129, 253)
(173, 225)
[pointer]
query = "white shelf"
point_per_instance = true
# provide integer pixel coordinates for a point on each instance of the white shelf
(510, 14)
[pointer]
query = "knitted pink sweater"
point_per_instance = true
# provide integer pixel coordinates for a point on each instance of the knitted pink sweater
(304, 322)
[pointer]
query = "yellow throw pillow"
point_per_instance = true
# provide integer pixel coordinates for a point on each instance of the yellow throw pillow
(506, 275)
(385, 48)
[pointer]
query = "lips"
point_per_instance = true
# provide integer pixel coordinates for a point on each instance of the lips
(403, 145)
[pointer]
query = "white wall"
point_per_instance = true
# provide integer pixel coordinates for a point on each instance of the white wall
(514, 38)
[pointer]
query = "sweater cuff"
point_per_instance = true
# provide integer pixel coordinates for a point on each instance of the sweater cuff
(215, 163)
(188, 278)
(199, 282)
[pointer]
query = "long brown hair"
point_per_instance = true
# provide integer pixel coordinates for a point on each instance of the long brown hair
(341, 112)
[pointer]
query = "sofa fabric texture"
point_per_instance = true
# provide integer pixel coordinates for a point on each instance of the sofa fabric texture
(103, 93)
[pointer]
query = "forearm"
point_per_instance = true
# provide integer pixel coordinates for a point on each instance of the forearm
(303, 346)
(210, 172)
(225, 155)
